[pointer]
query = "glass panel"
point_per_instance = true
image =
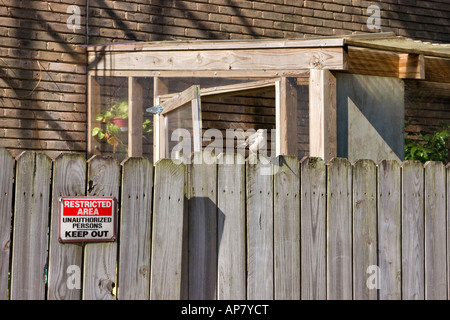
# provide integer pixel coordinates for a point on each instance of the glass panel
(109, 116)
(237, 116)
(179, 132)
(302, 86)
(146, 90)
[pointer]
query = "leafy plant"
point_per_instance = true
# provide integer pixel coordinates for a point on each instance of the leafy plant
(432, 146)
(111, 132)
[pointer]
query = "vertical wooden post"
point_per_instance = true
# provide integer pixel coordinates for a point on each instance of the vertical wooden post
(6, 198)
(413, 231)
(100, 266)
(389, 230)
(160, 87)
(197, 120)
(202, 193)
(313, 229)
(69, 179)
(30, 240)
(135, 116)
(339, 230)
(260, 282)
(93, 110)
(231, 262)
(435, 232)
(288, 117)
(135, 230)
(364, 227)
(322, 114)
(286, 217)
(167, 233)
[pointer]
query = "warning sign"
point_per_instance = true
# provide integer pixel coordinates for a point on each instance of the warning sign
(83, 219)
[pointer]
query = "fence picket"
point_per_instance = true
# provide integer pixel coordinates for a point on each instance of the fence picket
(167, 239)
(435, 232)
(447, 169)
(260, 231)
(339, 229)
(389, 230)
(364, 228)
(313, 229)
(30, 225)
(100, 267)
(6, 196)
(135, 230)
(231, 228)
(69, 179)
(413, 229)
(287, 229)
(202, 227)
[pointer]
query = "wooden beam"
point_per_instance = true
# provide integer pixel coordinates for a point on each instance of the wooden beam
(135, 118)
(386, 64)
(372, 62)
(216, 91)
(191, 45)
(411, 66)
(93, 110)
(160, 87)
(322, 115)
(220, 60)
(178, 99)
(288, 114)
(437, 69)
(196, 104)
(244, 74)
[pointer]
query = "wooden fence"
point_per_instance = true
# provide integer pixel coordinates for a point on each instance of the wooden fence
(310, 230)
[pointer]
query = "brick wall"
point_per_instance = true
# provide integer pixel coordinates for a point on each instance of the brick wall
(43, 66)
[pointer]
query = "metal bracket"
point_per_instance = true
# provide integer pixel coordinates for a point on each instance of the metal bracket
(155, 109)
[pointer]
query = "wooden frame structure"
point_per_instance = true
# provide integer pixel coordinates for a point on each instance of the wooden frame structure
(381, 54)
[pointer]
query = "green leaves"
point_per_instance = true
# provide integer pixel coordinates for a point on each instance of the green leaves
(432, 146)
(110, 132)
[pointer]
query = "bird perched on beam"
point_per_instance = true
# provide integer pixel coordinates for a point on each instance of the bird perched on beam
(256, 141)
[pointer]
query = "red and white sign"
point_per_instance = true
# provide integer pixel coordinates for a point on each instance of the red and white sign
(84, 219)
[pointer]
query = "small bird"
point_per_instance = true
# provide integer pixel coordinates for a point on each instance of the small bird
(256, 141)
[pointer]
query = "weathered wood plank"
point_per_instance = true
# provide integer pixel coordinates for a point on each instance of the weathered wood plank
(288, 115)
(245, 59)
(313, 229)
(69, 179)
(167, 238)
(435, 232)
(30, 240)
(389, 230)
(6, 197)
(135, 230)
(364, 228)
(287, 229)
(232, 273)
(202, 232)
(448, 222)
(260, 283)
(135, 117)
(322, 114)
(413, 229)
(100, 268)
(339, 229)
